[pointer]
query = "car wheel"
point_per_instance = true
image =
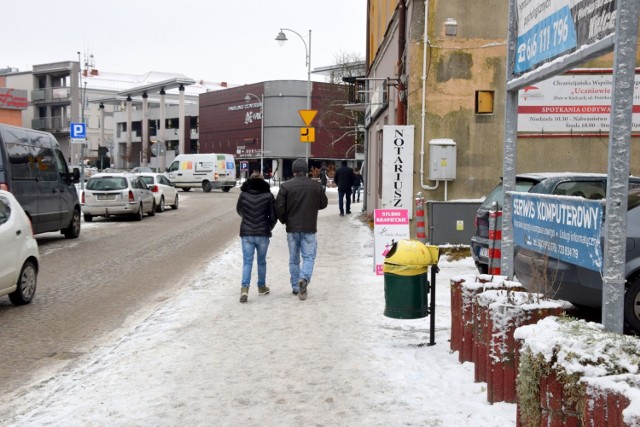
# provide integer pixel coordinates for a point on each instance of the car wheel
(185, 189)
(226, 189)
(27, 282)
(154, 208)
(632, 305)
(161, 207)
(206, 186)
(88, 218)
(73, 230)
(138, 215)
(175, 205)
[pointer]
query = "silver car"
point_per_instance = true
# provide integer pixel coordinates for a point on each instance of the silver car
(108, 194)
(163, 190)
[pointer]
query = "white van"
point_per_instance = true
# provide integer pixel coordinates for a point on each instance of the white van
(203, 170)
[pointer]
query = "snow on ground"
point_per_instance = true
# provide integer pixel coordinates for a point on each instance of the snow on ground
(204, 359)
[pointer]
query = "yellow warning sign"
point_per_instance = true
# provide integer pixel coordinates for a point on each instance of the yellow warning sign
(308, 116)
(307, 134)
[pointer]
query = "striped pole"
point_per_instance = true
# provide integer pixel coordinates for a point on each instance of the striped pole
(420, 229)
(495, 242)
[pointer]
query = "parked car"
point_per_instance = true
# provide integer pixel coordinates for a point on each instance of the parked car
(587, 185)
(208, 171)
(19, 258)
(163, 190)
(109, 194)
(582, 286)
(34, 170)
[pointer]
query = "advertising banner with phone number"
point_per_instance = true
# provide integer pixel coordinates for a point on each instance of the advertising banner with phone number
(562, 227)
(550, 28)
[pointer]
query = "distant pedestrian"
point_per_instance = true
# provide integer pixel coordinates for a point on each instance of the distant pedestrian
(344, 178)
(357, 183)
(297, 206)
(323, 177)
(256, 206)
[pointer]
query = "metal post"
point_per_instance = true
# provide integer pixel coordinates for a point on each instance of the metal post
(615, 224)
(262, 134)
(432, 306)
(261, 99)
(145, 129)
(281, 39)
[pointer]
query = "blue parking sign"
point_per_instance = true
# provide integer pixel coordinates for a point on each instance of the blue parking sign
(244, 166)
(78, 130)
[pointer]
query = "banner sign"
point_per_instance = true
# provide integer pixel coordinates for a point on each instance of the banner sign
(13, 99)
(572, 103)
(562, 227)
(389, 226)
(397, 167)
(550, 28)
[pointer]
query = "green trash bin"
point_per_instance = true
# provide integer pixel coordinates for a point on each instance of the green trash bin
(406, 285)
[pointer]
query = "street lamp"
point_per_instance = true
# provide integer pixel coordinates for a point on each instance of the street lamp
(281, 38)
(247, 98)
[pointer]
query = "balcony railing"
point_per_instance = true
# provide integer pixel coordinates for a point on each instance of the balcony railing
(51, 94)
(51, 124)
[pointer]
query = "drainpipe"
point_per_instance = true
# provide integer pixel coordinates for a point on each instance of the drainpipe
(424, 97)
(401, 111)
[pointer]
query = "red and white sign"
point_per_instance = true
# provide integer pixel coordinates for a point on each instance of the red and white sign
(571, 103)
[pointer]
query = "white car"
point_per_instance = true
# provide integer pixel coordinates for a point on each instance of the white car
(163, 190)
(19, 257)
(108, 194)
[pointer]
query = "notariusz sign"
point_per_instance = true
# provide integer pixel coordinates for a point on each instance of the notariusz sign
(562, 227)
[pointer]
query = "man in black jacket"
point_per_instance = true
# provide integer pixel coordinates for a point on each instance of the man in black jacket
(297, 206)
(344, 180)
(256, 206)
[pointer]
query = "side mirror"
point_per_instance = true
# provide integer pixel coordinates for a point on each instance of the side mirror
(75, 175)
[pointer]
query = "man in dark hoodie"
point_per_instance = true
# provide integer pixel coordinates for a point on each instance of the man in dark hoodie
(256, 206)
(297, 206)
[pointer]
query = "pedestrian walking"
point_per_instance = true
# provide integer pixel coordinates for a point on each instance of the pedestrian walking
(256, 206)
(297, 206)
(344, 178)
(323, 177)
(357, 183)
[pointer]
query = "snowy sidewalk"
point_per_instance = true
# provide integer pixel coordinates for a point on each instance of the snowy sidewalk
(204, 359)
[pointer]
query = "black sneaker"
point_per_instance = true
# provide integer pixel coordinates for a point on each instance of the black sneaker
(302, 284)
(295, 292)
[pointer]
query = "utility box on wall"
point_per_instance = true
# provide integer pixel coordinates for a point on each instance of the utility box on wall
(451, 223)
(442, 160)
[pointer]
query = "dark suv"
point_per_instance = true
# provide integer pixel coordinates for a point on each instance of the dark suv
(587, 185)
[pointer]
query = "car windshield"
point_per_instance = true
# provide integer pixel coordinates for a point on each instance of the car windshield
(107, 183)
(497, 195)
(147, 180)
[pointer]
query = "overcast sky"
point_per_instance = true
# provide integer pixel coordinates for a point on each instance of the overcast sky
(212, 40)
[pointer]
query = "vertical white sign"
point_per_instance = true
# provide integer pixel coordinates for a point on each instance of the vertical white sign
(397, 167)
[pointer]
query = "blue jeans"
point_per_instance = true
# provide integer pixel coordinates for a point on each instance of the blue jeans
(251, 245)
(355, 193)
(305, 245)
(344, 194)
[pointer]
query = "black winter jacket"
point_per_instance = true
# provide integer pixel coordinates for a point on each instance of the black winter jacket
(298, 203)
(256, 206)
(344, 178)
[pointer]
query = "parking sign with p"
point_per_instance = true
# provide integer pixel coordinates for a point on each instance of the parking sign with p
(78, 130)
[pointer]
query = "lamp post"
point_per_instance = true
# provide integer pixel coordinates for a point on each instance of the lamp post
(247, 98)
(281, 38)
